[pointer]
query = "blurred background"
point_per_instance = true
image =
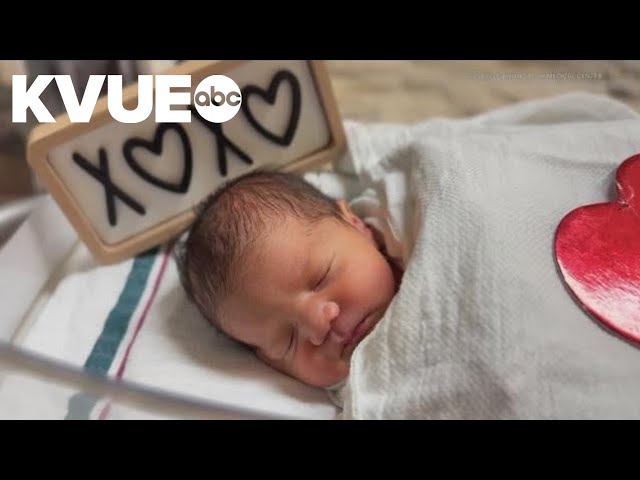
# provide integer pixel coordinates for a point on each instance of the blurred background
(385, 91)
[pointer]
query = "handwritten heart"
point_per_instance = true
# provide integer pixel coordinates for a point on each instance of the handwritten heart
(597, 249)
(155, 147)
(270, 97)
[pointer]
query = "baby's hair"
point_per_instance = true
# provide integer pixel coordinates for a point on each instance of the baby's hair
(231, 219)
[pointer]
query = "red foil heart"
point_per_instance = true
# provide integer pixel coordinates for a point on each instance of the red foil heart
(597, 249)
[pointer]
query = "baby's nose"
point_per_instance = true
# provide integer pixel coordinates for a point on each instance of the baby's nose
(320, 322)
(330, 310)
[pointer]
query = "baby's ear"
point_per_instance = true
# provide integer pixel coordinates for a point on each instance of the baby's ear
(354, 219)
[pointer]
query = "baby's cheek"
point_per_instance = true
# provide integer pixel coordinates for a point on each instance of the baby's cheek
(379, 278)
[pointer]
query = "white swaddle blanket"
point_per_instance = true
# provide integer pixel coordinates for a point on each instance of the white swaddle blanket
(482, 326)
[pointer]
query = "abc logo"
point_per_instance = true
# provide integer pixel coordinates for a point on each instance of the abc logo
(217, 98)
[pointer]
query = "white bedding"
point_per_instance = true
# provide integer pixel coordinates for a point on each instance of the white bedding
(482, 327)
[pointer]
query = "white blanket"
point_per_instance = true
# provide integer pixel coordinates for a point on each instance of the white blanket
(483, 327)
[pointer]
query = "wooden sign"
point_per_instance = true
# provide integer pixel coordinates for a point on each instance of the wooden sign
(126, 187)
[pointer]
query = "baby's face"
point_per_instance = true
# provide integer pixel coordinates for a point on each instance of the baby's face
(310, 295)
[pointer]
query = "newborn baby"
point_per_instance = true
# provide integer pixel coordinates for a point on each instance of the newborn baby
(292, 273)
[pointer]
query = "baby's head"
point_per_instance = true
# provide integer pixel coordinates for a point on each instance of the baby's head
(279, 266)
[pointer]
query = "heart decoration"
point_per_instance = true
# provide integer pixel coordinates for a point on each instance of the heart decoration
(597, 250)
(155, 147)
(270, 97)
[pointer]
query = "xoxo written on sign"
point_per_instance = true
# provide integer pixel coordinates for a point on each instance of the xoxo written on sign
(127, 187)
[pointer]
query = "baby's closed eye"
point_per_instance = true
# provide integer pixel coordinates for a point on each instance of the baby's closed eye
(291, 343)
(321, 280)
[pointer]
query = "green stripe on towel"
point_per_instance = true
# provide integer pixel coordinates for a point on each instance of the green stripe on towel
(105, 348)
(114, 329)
